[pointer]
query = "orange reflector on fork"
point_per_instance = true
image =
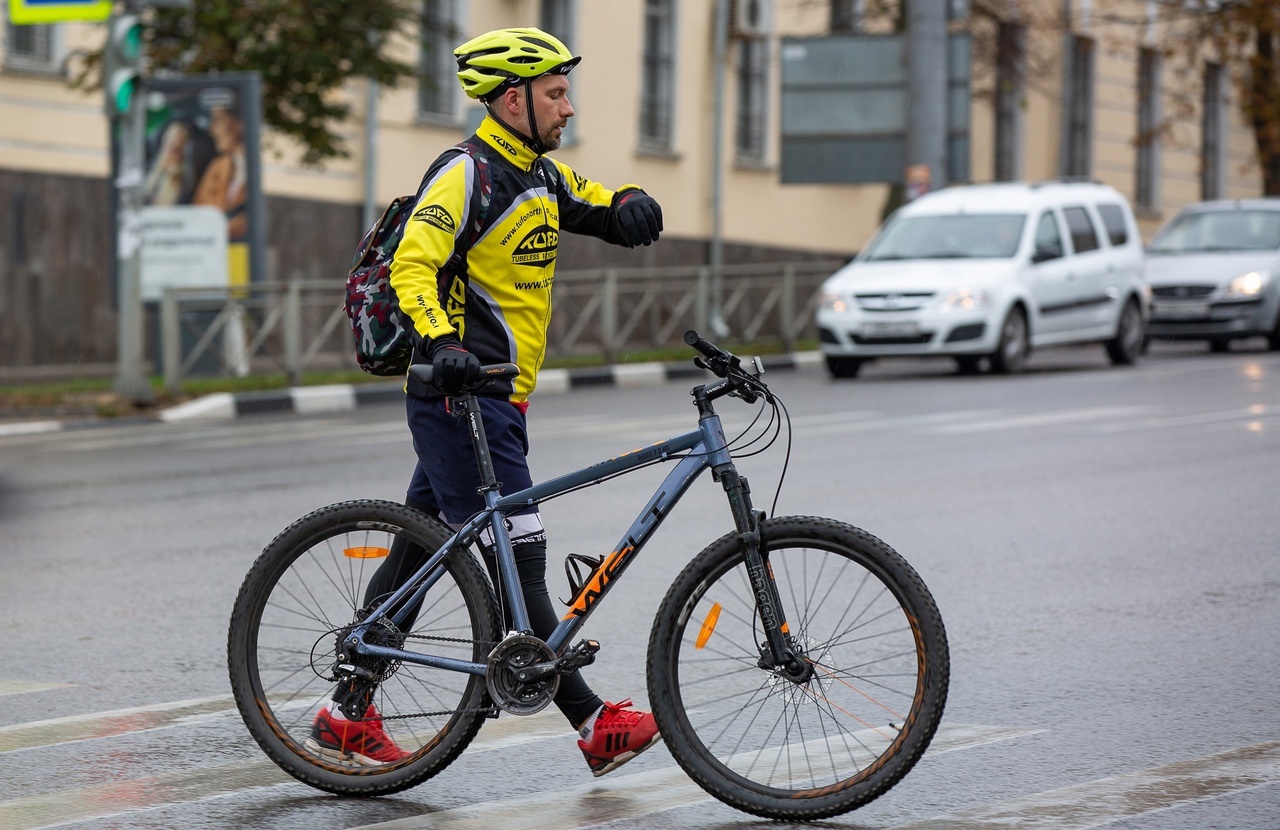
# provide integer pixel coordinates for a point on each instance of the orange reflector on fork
(708, 625)
(365, 553)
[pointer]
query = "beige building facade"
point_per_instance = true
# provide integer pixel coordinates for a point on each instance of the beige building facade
(1059, 89)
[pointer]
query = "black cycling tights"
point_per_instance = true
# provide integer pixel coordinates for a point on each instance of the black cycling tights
(574, 699)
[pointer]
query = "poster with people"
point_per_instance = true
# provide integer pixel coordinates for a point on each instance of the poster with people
(202, 162)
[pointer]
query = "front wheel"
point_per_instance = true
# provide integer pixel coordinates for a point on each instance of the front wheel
(1124, 348)
(835, 736)
(1010, 356)
(312, 583)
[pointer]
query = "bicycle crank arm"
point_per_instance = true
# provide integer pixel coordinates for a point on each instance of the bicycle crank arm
(582, 654)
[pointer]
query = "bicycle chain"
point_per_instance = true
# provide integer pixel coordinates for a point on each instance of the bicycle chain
(489, 710)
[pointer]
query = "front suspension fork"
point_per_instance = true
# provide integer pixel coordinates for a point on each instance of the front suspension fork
(777, 652)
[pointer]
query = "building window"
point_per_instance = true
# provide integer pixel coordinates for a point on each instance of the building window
(557, 18)
(1148, 140)
(437, 89)
(1212, 130)
(1078, 113)
(846, 16)
(1011, 41)
(753, 99)
(657, 74)
(31, 48)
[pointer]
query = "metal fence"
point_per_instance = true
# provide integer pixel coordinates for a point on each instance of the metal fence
(301, 325)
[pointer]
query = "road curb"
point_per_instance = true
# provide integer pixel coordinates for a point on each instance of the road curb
(345, 397)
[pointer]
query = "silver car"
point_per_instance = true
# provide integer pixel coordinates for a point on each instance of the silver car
(1214, 273)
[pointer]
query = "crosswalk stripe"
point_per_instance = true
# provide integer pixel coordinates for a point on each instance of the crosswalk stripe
(1108, 800)
(630, 796)
(118, 722)
(132, 795)
(15, 687)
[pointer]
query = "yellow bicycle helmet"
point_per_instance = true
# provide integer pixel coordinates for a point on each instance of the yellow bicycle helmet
(503, 57)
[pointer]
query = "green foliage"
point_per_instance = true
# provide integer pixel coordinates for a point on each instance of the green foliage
(305, 51)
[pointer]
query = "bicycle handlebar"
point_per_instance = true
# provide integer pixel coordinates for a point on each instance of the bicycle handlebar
(494, 371)
(742, 383)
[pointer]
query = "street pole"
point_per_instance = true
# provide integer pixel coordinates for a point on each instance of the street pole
(715, 316)
(128, 115)
(927, 90)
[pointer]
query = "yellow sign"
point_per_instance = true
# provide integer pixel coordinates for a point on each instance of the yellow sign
(57, 11)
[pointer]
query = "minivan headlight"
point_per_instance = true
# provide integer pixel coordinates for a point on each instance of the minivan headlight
(834, 301)
(1247, 285)
(965, 299)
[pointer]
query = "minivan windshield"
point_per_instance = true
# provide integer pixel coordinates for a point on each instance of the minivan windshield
(1227, 230)
(955, 236)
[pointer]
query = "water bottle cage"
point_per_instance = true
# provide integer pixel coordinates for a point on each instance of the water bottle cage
(574, 566)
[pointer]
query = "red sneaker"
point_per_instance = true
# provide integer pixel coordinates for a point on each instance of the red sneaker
(362, 742)
(620, 734)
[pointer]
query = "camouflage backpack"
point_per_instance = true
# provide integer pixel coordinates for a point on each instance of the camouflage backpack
(384, 345)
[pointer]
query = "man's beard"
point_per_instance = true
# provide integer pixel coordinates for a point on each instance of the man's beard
(550, 140)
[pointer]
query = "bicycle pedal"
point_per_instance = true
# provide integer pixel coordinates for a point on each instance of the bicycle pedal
(582, 654)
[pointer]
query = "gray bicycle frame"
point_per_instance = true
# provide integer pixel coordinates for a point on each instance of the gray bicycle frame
(707, 449)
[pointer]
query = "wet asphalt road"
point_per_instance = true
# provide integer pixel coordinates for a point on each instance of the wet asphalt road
(1102, 544)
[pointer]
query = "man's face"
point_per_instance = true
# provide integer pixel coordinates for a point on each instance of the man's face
(551, 108)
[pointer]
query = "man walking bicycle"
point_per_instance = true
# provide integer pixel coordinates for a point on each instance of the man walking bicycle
(474, 275)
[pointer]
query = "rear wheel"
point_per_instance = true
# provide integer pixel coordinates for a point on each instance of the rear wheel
(842, 731)
(306, 588)
(1124, 348)
(844, 367)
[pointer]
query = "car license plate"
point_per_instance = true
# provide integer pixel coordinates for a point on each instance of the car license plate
(1180, 311)
(903, 328)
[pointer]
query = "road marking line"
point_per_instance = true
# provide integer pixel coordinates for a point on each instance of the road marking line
(117, 722)
(505, 731)
(1196, 419)
(630, 796)
(1108, 800)
(133, 795)
(17, 687)
(1070, 416)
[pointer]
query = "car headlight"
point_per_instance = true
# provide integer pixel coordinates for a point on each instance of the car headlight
(965, 299)
(834, 301)
(1247, 285)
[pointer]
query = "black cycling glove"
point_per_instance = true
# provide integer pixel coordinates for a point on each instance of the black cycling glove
(639, 218)
(453, 367)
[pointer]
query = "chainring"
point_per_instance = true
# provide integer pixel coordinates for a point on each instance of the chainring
(505, 688)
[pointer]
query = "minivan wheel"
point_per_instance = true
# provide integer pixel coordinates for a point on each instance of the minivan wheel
(1124, 348)
(1273, 339)
(844, 367)
(1010, 356)
(1218, 345)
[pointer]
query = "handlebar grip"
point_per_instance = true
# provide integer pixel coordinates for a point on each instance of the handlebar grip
(702, 344)
(494, 371)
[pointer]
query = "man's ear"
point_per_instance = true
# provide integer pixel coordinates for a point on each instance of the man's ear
(512, 100)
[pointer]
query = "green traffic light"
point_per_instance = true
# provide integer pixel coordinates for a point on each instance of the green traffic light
(124, 94)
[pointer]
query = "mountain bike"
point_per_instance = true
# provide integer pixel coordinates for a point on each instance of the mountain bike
(797, 667)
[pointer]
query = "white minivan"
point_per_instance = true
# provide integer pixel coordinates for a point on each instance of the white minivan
(991, 272)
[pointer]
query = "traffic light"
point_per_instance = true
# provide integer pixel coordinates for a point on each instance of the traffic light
(122, 64)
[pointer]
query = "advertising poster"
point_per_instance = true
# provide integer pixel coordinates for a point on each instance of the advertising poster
(202, 155)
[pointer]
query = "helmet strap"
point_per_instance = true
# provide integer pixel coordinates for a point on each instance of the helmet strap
(536, 144)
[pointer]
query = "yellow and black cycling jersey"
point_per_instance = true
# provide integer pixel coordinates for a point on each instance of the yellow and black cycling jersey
(498, 303)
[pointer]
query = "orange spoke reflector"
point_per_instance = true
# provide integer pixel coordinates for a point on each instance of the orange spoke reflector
(365, 553)
(708, 625)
